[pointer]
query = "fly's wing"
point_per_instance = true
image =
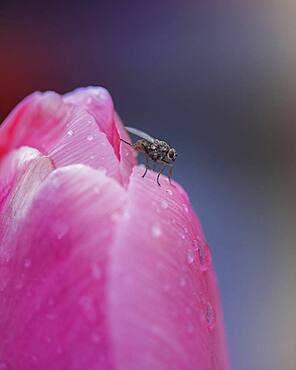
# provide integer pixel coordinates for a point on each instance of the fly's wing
(140, 134)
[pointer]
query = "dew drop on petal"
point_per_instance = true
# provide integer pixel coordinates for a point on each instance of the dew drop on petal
(156, 231)
(182, 282)
(169, 191)
(27, 263)
(90, 138)
(164, 204)
(166, 287)
(188, 310)
(3, 284)
(184, 206)
(96, 271)
(95, 337)
(88, 308)
(102, 169)
(60, 229)
(190, 257)
(51, 302)
(59, 350)
(190, 328)
(126, 215)
(47, 339)
(70, 133)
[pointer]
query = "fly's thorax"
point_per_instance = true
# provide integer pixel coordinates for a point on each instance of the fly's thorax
(157, 150)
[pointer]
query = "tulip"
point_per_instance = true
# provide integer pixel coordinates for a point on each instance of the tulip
(99, 268)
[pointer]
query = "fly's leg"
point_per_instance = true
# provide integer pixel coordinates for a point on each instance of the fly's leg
(126, 142)
(160, 172)
(147, 165)
(170, 173)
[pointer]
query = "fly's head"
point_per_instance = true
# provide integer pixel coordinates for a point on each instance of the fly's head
(172, 154)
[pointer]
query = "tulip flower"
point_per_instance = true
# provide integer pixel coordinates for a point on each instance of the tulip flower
(99, 268)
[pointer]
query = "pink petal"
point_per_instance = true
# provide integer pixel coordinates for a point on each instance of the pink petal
(97, 101)
(94, 275)
(53, 305)
(21, 173)
(163, 302)
(69, 130)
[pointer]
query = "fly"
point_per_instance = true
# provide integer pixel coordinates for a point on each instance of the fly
(158, 151)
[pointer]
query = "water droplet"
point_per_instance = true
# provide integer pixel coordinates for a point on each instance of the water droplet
(96, 271)
(70, 133)
(51, 302)
(183, 237)
(60, 229)
(184, 206)
(20, 283)
(190, 257)
(188, 310)
(102, 169)
(156, 231)
(90, 138)
(126, 215)
(166, 287)
(27, 263)
(95, 337)
(47, 339)
(160, 266)
(34, 359)
(51, 316)
(190, 328)
(164, 204)
(182, 282)
(89, 100)
(169, 191)
(92, 157)
(59, 350)
(3, 284)
(210, 316)
(88, 308)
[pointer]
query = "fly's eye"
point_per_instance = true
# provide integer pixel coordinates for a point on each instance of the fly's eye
(172, 154)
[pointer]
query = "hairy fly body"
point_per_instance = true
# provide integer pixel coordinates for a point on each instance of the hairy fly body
(158, 151)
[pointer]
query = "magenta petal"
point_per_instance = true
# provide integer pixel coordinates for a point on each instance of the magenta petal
(98, 102)
(163, 302)
(21, 173)
(96, 275)
(79, 128)
(53, 307)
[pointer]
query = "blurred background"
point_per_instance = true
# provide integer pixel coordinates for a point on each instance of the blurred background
(217, 79)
